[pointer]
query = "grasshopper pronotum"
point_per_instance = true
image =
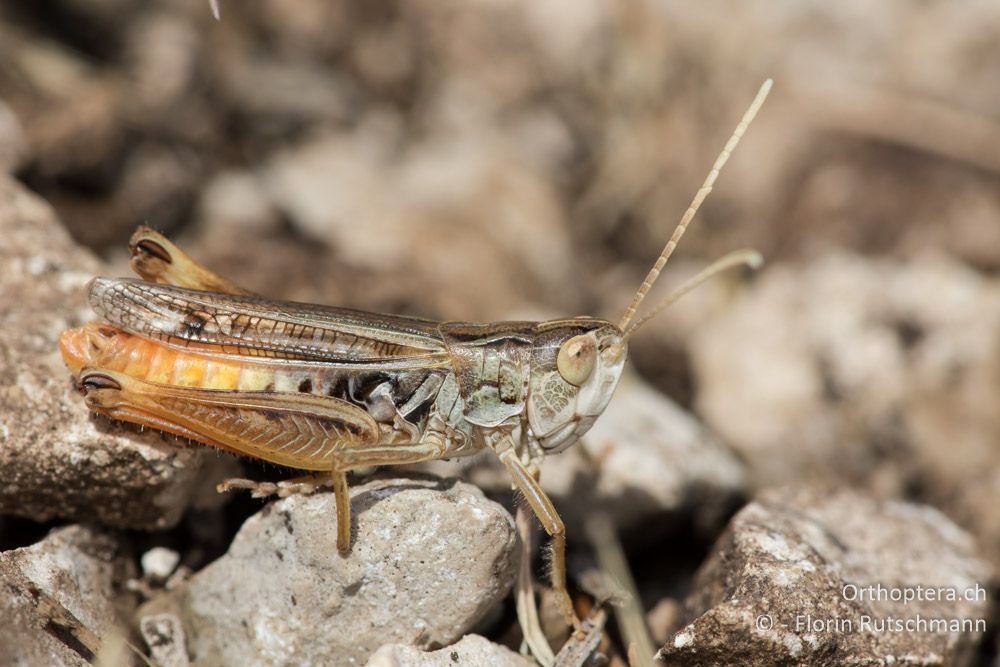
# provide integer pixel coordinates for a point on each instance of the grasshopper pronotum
(332, 390)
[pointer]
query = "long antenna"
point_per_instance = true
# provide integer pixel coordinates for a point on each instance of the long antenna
(699, 197)
(745, 257)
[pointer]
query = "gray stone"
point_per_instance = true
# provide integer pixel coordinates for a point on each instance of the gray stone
(429, 560)
(235, 200)
(164, 634)
(159, 563)
(646, 460)
(58, 461)
(471, 651)
(63, 597)
(443, 207)
(163, 60)
(808, 577)
(877, 373)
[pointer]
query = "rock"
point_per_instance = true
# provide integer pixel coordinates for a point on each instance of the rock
(471, 228)
(662, 619)
(430, 559)
(472, 651)
(57, 460)
(164, 634)
(808, 577)
(235, 201)
(877, 373)
(62, 597)
(654, 461)
(279, 95)
(163, 53)
(159, 563)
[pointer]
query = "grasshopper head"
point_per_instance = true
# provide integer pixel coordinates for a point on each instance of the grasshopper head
(575, 368)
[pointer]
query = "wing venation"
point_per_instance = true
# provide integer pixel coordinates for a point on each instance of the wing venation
(254, 326)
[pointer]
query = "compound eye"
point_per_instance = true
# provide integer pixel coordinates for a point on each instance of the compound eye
(576, 359)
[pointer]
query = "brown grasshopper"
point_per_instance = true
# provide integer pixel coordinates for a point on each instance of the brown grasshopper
(332, 390)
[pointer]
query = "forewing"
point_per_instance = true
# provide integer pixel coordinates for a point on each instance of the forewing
(254, 326)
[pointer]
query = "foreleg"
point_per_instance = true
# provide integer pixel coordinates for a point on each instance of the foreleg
(546, 512)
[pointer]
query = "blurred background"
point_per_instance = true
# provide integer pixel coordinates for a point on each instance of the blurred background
(488, 160)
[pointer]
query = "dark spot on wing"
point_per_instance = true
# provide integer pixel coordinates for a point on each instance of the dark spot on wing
(272, 415)
(193, 325)
(306, 386)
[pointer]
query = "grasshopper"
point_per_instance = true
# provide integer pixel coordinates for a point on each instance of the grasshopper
(331, 390)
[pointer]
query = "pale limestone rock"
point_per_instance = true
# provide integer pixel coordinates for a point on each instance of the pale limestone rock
(63, 598)
(58, 460)
(471, 651)
(804, 576)
(872, 372)
(430, 559)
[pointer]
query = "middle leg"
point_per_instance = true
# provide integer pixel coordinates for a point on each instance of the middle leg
(306, 484)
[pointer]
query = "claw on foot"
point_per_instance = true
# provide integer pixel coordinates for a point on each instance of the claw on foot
(282, 489)
(566, 607)
(582, 644)
(291, 488)
(231, 484)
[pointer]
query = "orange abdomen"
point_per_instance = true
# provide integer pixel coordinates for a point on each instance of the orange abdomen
(100, 346)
